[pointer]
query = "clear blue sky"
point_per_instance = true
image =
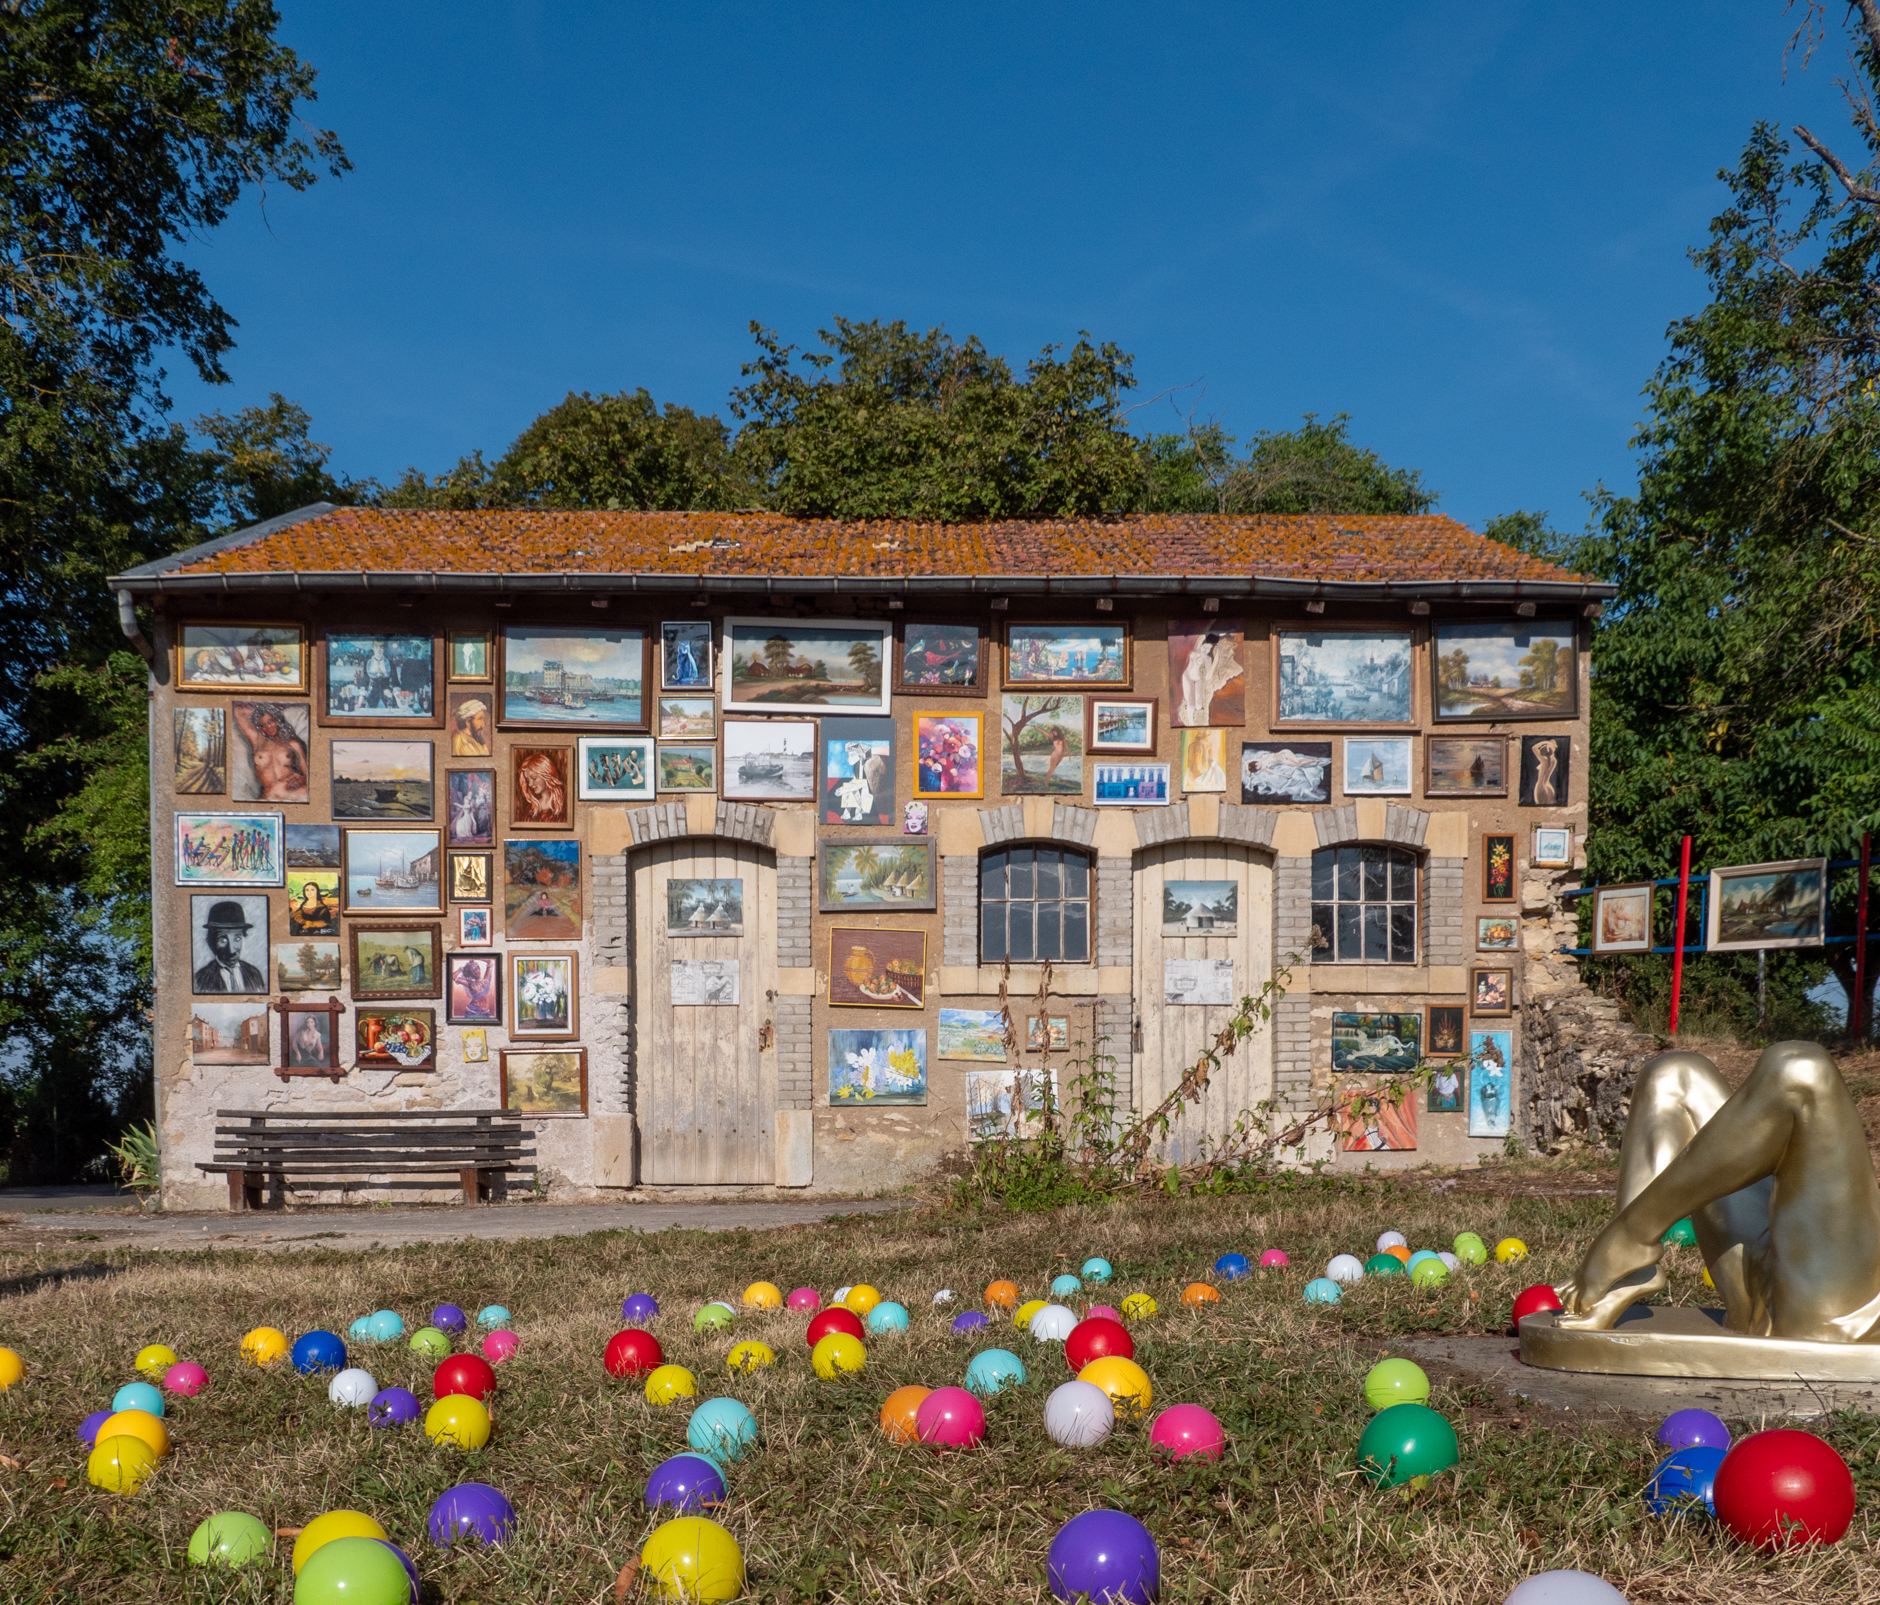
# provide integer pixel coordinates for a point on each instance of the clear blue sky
(1464, 225)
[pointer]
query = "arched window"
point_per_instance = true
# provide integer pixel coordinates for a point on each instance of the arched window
(1364, 905)
(1034, 903)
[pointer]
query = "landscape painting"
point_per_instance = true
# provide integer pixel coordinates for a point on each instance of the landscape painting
(687, 718)
(313, 902)
(862, 875)
(777, 665)
(199, 742)
(614, 768)
(396, 961)
(1007, 1103)
(944, 659)
(542, 891)
(858, 772)
(470, 795)
(1767, 905)
(685, 655)
(1376, 1044)
(1200, 908)
(876, 969)
(869, 1067)
(388, 780)
(1066, 654)
(228, 850)
(977, 1035)
(545, 1081)
(313, 846)
(1372, 1122)
(1465, 766)
(769, 760)
(1512, 669)
(687, 767)
(391, 870)
(228, 1033)
(372, 678)
(699, 907)
(241, 657)
(1122, 724)
(1207, 672)
(555, 677)
(947, 755)
(1342, 677)
(1491, 1103)
(1285, 771)
(307, 966)
(1042, 750)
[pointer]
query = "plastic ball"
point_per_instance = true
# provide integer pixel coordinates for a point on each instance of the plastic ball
(187, 1378)
(429, 1344)
(1187, 1429)
(1431, 1273)
(1002, 1293)
(385, 1326)
(750, 1355)
(1565, 1588)
(1021, 1317)
(667, 1384)
(632, 1353)
(971, 1321)
(1389, 1240)
(230, 1538)
(411, 1571)
(1395, 1382)
(862, 1299)
(1782, 1488)
(993, 1370)
(950, 1418)
(153, 1359)
(1709, 1281)
(450, 1318)
(1274, 1257)
(500, 1345)
(1139, 1306)
(1383, 1265)
(88, 1428)
(1066, 1286)
(899, 1411)
(715, 1317)
(1690, 1429)
(833, 1319)
(492, 1315)
(687, 1482)
(1196, 1294)
(804, 1298)
(721, 1429)
(330, 1527)
(120, 1464)
(264, 1345)
(638, 1308)
(1097, 1269)
(1683, 1476)
(1419, 1257)
(837, 1354)
(1345, 1268)
(1323, 1290)
(1078, 1415)
(1470, 1249)
(1232, 1266)
(458, 1421)
(136, 1424)
(693, 1558)
(1400, 1254)
(468, 1374)
(1680, 1234)
(1104, 1311)
(361, 1329)
(1536, 1300)
(318, 1351)
(1095, 1337)
(840, 1294)
(393, 1407)
(944, 1296)
(1404, 1443)
(1053, 1324)
(1450, 1262)
(354, 1571)
(471, 1510)
(1104, 1555)
(763, 1296)
(1123, 1380)
(138, 1396)
(352, 1389)
(887, 1317)
(1510, 1249)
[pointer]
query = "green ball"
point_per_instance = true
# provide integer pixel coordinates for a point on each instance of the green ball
(431, 1343)
(230, 1538)
(1395, 1382)
(352, 1571)
(1682, 1233)
(1406, 1442)
(1383, 1265)
(1470, 1249)
(714, 1318)
(1430, 1273)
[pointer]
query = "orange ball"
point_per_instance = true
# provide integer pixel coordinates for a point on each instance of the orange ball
(1002, 1293)
(1195, 1294)
(897, 1413)
(1399, 1253)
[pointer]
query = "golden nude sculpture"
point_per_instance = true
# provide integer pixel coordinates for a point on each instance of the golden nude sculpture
(1777, 1180)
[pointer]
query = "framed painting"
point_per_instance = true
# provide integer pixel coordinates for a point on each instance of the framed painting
(241, 657)
(1204, 760)
(914, 819)
(1207, 672)
(542, 891)
(1506, 669)
(558, 677)
(382, 780)
(1285, 771)
(768, 760)
(1445, 1030)
(473, 927)
(313, 902)
(229, 1033)
(1377, 1044)
(858, 764)
(467, 717)
(1491, 1073)
(687, 766)
(614, 769)
(540, 794)
(1622, 918)
(1544, 767)
(470, 877)
(395, 1039)
(473, 989)
(1756, 906)
(313, 846)
(687, 719)
(1042, 746)
(685, 655)
(1200, 908)
(229, 849)
(877, 969)
(378, 679)
(474, 1043)
(976, 1035)
(391, 871)
(470, 798)
(544, 1081)
(876, 875)
(1498, 869)
(1047, 1033)
(949, 755)
(542, 995)
(1343, 677)
(1491, 992)
(1120, 724)
(801, 666)
(310, 1038)
(1377, 766)
(1371, 1121)
(1444, 1095)
(868, 1067)
(470, 656)
(228, 944)
(1553, 846)
(1008, 1103)
(701, 907)
(1048, 656)
(1131, 785)
(1495, 933)
(1465, 766)
(199, 746)
(703, 983)
(395, 962)
(307, 967)
(941, 659)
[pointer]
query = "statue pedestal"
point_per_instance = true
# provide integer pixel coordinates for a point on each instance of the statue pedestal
(1664, 1340)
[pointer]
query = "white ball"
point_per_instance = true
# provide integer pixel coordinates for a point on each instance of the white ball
(1078, 1415)
(352, 1389)
(1450, 1262)
(841, 1293)
(1346, 1268)
(944, 1296)
(1565, 1588)
(1052, 1324)
(1390, 1240)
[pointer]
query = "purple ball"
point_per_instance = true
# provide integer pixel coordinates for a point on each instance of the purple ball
(411, 1571)
(88, 1428)
(448, 1318)
(1104, 1554)
(1694, 1429)
(471, 1510)
(640, 1307)
(393, 1407)
(690, 1482)
(971, 1321)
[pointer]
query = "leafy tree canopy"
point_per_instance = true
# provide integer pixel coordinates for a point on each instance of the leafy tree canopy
(1316, 468)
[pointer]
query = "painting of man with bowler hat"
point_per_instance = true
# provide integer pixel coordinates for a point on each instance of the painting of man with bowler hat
(224, 929)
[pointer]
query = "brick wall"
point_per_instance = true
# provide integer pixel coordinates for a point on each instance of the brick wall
(959, 902)
(795, 1058)
(796, 901)
(1116, 893)
(1444, 939)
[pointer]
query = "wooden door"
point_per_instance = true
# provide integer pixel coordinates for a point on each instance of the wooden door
(707, 1087)
(1173, 1034)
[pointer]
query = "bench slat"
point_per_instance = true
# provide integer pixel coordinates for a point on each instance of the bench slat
(346, 1139)
(366, 1114)
(392, 1167)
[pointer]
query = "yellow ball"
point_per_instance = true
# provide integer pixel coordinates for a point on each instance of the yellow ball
(862, 1299)
(119, 1465)
(750, 1355)
(763, 1296)
(12, 1368)
(693, 1558)
(836, 1353)
(137, 1424)
(1707, 1281)
(153, 1359)
(1510, 1249)
(667, 1383)
(1124, 1381)
(1139, 1306)
(458, 1421)
(1021, 1317)
(324, 1529)
(265, 1345)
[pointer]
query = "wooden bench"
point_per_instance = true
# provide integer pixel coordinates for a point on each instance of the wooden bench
(272, 1149)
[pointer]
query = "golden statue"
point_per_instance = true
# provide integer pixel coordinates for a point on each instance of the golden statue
(1777, 1180)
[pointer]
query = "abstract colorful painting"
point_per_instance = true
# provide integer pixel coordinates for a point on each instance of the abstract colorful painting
(869, 1067)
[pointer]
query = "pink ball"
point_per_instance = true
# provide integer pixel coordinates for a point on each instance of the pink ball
(1104, 1310)
(500, 1345)
(950, 1418)
(804, 1298)
(186, 1377)
(1275, 1256)
(1187, 1429)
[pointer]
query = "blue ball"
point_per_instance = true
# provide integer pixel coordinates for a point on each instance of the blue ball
(492, 1315)
(1097, 1269)
(887, 1317)
(1232, 1266)
(1322, 1290)
(471, 1510)
(361, 1329)
(1104, 1555)
(138, 1396)
(318, 1351)
(1690, 1429)
(639, 1307)
(1419, 1257)
(993, 1370)
(971, 1321)
(88, 1428)
(1690, 1474)
(404, 1560)
(721, 1429)
(393, 1407)
(385, 1326)
(689, 1482)
(449, 1318)
(1064, 1286)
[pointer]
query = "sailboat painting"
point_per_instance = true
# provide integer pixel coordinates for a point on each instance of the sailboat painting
(390, 870)
(1377, 766)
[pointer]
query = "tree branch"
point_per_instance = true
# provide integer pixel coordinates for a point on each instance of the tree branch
(1856, 191)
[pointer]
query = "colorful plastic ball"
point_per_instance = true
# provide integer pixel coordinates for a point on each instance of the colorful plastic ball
(1389, 1240)
(1066, 1286)
(840, 1294)
(1510, 1249)
(88, 1428)
(1097, 1269)
(393, 1407)
(1470, 1249)
(318, 1351)
(687, 1482)
(693, 1558)
(264, 1345)
(638, 1308)
(1123, 1380)
(361, 1329)
(1345, 1268)
(1323, 1290)
(667, 1384)
(834, 1319)
(1395, 1382)
(750, 1355)
(500, 1345)
(1078, 1415)
(1450, 1262)
(1196, 1294)
(137, 1424)
(352, 1389)
(1709, 1281)
(1536, 1300)
(1431, 1273)
(1187, 1429)
(1418, 1258)
(721, 1429)
(492, 1315)
(1274, 1257)
(471, 1510)
(863, 1298)
(1002, 1293)
(1565, 1588)
(458, 1421)
(230, 1538)
(971, 1321)
(1232, 1266)
(1683, 1477)
(187, 1378)
(1400, 1254)
(1104, 1312)
(714, 1317)
(1139, 1307)
(330, 1527)
(950, 1418)
(1095, 1337)
(1383, 1265)
(429, 1344)
(138, 1396)
(1404, 1443)
(1691, 1429)
(385, 1326)
(1021, 1317)
(632, 1353)
(354, 1571)
(120, 1464)
(1104, 1555)
(887, 1317)
(763, 1296)
(804, 1298)
(411, 1571)
(468, 1374)
(1782, 1488)
(1680, 1234)
(837, 1354)
(449, 1318)
(899, 1412)
(993, 1370)
(1053, 1324)
(153, 1359)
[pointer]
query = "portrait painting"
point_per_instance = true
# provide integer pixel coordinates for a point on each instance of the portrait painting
(542, 891)
(309, 1039)
(1121, 724)
(554, 677)
(473, 989)
(1131, 785)
(1491, 992)
(1445, 1030)
(1495, 933)
(228, 944)
(869, 1067)
(470, 877)
(1066, 654)
(1544, 771)
(947, 760)
(1008, 1103)
(200, 746)
(388, 780)
(1042, 745)
(685, 655)
(1553, 846)
(1342, 677)
(1372, 1121)
(1047, 1033)
(877, 969)
(1444, 1094)
(940, 658)
(395, 961)
(863, 875)
(1204, 760)
(615, 768)
(976, 1035)
(228, 849)
(1465, 766)
(542, 995)
(267, 760)
(395, 1039)
(800, 666)
(229, 1033)
(1285, 771)
(313, 902)
(473, 927)
(1622, 918)
(307, 967)
(914, 819)
(1767, 906)
(544, 1081)
(470, 656)
(1497, 869)
(471, 721)
(768, 760)
(1506, 669)
(1200, 908)
(1491, 1083)
(1207, 672)
(395, 871)
(540, 794)
(313, 846)
(703, 907)
(687, 766)
(1377, 766)
(858, 772)
(470, 797)
(241, 657)
(376, 679)
(687, 719)
(1377, 1044)
(474, 1044)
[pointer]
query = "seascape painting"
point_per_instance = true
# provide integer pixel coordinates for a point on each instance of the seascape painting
(1513, 669)
(200, 751)
(1343, 677)
(1042, 752)
(554, 677)
(395, 870)
(876, 875)
(768, 760)
(313, 846)
(542, 891)
(1376, 1044)
(1377, 766)
(1491, 1101)
(685, 766)
(868, 1067)
(228, 850)
(388, 780)
(370, 677)
(1767, 906)
(228, 1033)
(977, 1035)
(947, 659)
(1119, 724)
(858, 772)
(1207, 672)
(796, 666)
(1066, 654)
(241, 657)
(1466, 766)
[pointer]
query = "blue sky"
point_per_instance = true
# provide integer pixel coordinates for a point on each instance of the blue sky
(1465, 226)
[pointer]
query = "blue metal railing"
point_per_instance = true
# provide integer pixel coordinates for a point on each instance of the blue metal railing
(1700, 897)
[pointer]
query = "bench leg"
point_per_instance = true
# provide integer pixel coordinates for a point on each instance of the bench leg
(472, 1182)
(236, 1199)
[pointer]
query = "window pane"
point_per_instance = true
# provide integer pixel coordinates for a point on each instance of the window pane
(1019, 922)
(1348, 873)
(1077, 932)
(1049, 925)
(1376, 880)
(1350, 941)
(1376, 935)
(1403, 878)
(992, 875)
(1076, 875)
(1050, 879)
(1019, 876)
(1323, 928)
(1403, 933)
(992, 932)
(1324, 867)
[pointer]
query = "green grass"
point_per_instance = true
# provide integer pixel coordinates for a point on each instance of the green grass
(826, 1509)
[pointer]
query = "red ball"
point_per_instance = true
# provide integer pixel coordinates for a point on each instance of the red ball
(1534, 1300)
(1781, 1488)
(633, 1353)
(1097, 1337)
(835, 1319)
(464, 1373)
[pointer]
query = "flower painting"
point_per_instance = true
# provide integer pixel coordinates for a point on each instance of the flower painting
(868, 1067)
(948, 760)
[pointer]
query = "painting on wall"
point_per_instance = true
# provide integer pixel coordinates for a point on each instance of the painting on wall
(1191, 982)
(791, 666)
(392, 962)
(542, 891)
(704, 983)
(1544, 766)
(470, 877)
(241, 657)
(1444, 1095)
(615, 768)
(1445, 1029)
(473, 989)
(877, 969)
(468, 716)
(869, 1067)
(1204, 760)
(858, 772)
(687, 766)
(1047, 1033)
(1376, 1044)
(470, 795)
(1553, 846)
(687, 719)
(389, 780)
(228, 944)
(228, 849)
(1372, 1122)
(1498, 869)
(1622, 918)
(542, 995)
(1048, 655)
(1285, 771)
(942, 659)
(556, 676)
(469, 655)
(544, 1081)
(229, 1033)
(395, 1039)
(200, 747)
(1491, 1101)
(473, 927)
(1491, 992)
(1342, 677)
(862, 875)
(914, 819)
(474, 1044)
(704, 907)
(1207, 672)
(1008, 1103)
(313, 846)
(309, 1038)
(1495, 933)
(1042, 750)
(948, 755)
(307, 967)
(1131, 785)
(1377, 766)
(1121, 724)
(1465, 766)
(378, 679)
(1756, 906)
(976, 1035)
(685, 655)
(1200, 908)
(400, 871)
(540, 795)
(768, 760)
(313, 902)
(1506, 669)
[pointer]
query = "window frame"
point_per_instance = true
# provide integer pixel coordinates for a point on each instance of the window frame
(1393, 902)
(1066, 853)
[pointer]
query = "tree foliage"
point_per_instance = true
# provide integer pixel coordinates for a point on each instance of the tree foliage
(1316, 468)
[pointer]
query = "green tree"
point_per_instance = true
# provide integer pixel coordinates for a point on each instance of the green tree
(1316, 468)
(619, 451)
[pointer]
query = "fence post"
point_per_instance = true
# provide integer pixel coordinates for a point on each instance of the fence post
(1677, 931)
(1858, 1013)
